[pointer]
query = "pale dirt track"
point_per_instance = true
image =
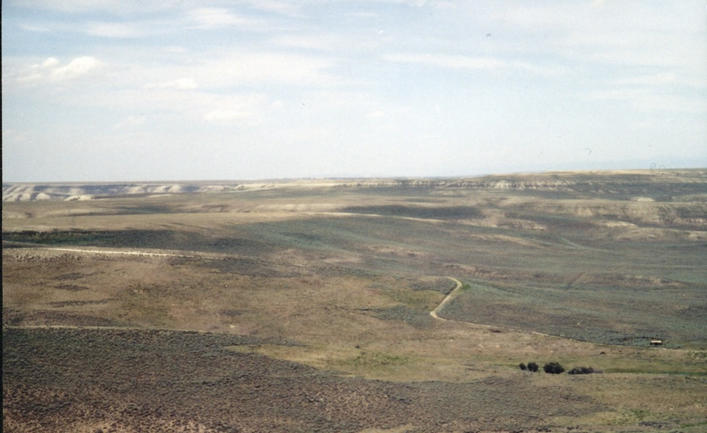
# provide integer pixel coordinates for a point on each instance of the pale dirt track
(447, 299)
(126, 252)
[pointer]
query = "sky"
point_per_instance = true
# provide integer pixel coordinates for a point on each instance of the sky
(122, 90)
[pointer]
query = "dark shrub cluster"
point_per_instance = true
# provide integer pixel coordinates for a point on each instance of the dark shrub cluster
(530, 367)
(556, 368)
(553, 368)
(581, 370)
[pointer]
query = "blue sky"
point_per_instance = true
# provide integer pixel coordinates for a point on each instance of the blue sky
(116, 90)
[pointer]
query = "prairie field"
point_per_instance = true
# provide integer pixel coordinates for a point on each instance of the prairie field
(305, 306)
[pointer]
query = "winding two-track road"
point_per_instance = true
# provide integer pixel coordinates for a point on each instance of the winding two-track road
(451, 295)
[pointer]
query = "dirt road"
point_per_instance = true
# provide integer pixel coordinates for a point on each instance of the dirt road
(126, 252)
(447, 299)
(100, 251)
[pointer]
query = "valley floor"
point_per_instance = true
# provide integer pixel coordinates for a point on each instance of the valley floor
(387, 306)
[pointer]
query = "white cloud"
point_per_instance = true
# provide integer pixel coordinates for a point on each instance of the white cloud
(419, 3)
(114, 30)
(122, 28)
(363, 43)
(472, 63)
(447, 61)
(225, 116)
(106, 29)
(665, 80)
(50, 62)
(645, 100)
(88, 6)
(621, 32)
(276, 6)
(539, 70)
(649, 80)
(130, 122)
(76, 68)
(263, 67)
(307, 42)
(168, 104)
(50, 70)
(29, 77)
(217, 70)
(179, 84)
(224, 71)
(34, 28)
(211, 18)
(364, 14)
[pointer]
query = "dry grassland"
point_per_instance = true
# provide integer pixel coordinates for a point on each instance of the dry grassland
(305, 307)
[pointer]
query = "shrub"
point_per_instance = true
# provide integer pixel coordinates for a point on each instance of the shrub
(553, 368)
(581, 370)
(522, 366)
(532, 366)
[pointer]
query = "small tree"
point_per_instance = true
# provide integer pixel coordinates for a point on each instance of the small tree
(522, 366)
(553, 368)
(532, 367)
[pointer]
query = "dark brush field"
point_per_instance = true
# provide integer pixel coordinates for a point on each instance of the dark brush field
(305, 306)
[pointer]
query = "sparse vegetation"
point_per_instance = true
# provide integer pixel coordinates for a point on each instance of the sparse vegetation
(340, 282)
(165, 377)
